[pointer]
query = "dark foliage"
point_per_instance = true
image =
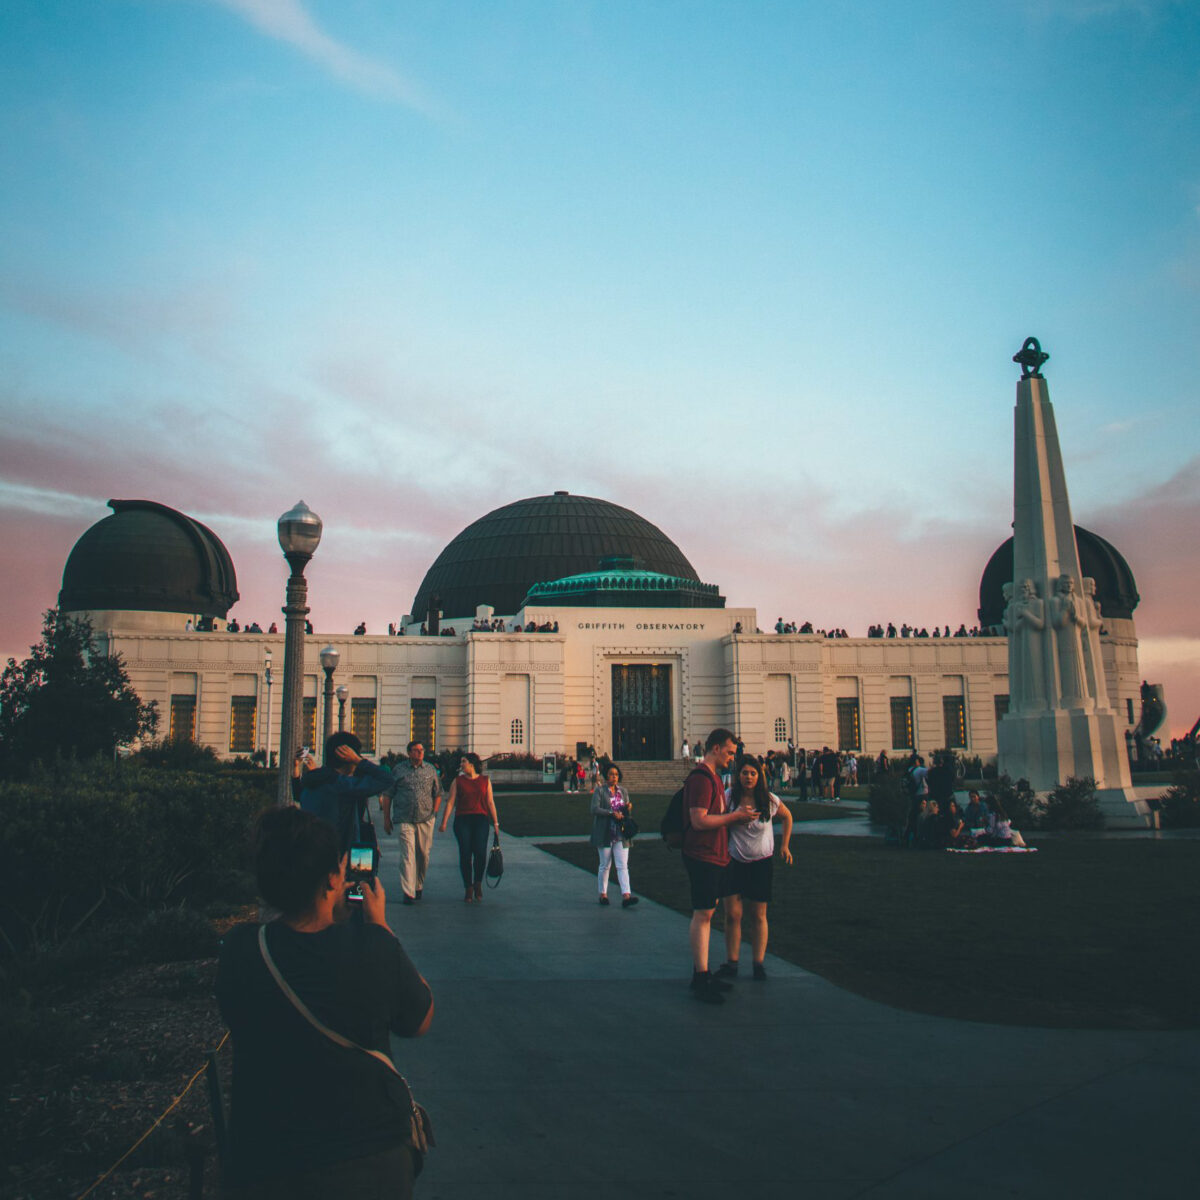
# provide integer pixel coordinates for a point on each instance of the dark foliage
(67, 700)
(888, 801)
(1017, 800)
(178, 754)
(1072, 805)
(1181, 802)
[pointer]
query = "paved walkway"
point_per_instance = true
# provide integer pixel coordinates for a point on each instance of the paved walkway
(567, 1059)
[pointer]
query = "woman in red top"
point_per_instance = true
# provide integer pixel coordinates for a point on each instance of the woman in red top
(471, 792)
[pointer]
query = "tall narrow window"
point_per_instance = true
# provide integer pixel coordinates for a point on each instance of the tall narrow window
(954, 716)
(1001, 703)
(422, 724)
(517, 732)
(362, 721)
(902, 723)
(780, 730)
(847, 720)
(308, 724)
(183, 719)
(242, 711)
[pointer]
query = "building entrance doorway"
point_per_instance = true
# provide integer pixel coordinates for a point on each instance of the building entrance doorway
(641, 711)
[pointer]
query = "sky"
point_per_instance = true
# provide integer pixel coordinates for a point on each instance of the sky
(753, 269)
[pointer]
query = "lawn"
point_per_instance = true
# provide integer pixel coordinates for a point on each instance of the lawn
(558, 814)
(1087, 933)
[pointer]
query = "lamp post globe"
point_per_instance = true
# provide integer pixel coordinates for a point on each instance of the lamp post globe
(299, 532)
(342, 692)
(329, 662)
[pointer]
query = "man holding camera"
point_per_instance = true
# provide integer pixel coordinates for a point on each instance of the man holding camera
(311, 1000)
(412, 802)
(338, 792)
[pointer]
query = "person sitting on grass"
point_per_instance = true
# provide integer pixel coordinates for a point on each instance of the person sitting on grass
(955, 831)
(976, 815)
(311, 1118)
(929, 827)
(999, 830)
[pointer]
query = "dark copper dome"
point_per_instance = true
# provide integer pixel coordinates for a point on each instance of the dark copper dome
(149, 557)
(497, 559)
(1116, 589)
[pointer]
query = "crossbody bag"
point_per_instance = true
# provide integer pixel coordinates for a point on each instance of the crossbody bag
(422, 1128)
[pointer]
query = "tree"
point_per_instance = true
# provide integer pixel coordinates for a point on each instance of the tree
(67, 699)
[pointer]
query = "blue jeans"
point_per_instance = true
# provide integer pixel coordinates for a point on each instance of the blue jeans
(472, 834)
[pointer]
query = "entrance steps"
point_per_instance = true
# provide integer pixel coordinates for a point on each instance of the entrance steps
(666, 777)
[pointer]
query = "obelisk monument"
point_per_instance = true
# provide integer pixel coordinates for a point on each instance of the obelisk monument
(1059, 723)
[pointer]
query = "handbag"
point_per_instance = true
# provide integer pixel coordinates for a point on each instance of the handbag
(629, 828)
(495, 862)
(421, 1129)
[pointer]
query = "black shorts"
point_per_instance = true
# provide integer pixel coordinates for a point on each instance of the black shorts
(709, 883)
(752, 880)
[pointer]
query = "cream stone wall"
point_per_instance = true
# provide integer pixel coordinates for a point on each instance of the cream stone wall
(560, 685)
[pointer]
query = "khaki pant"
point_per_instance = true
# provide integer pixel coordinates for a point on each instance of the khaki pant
(416, 841)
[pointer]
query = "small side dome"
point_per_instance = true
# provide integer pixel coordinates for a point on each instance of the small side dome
(150, 558)
(1116, 589)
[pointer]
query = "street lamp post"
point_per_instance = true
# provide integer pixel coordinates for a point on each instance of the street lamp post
(268, 680)
(299, 536)
(342, 692)
(329, 662)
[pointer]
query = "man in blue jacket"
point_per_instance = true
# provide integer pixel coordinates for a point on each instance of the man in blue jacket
(338, 792)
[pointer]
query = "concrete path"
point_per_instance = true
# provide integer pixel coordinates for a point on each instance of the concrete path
(567, 1059)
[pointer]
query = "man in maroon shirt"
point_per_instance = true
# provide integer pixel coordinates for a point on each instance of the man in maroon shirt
(706, 852)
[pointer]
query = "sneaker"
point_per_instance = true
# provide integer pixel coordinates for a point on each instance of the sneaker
(604, 901)
(419, 891)
(760, 972)
(628, 901)
(703, 989)
(727, 970)
(408, 899)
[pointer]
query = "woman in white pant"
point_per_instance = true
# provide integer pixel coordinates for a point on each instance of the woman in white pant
(610, 805)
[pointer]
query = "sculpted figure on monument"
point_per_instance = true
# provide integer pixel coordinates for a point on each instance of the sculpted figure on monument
(1069, 615)
(1028, 619)
(1091, 624)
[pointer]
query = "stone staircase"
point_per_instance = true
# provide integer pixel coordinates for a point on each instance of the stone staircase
(644, 777)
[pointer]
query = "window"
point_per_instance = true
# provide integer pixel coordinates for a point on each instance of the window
(902, 723)
(242, 711)
(183, 719)
(780, 730)
(308, 723)
(422, 724)
(954, 716)
(362, 721)
(1129, 709)
(847, 719)
(1001, 703)
(517, 732)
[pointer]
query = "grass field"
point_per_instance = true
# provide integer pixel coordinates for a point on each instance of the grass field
(557, 814)
(1087, 933)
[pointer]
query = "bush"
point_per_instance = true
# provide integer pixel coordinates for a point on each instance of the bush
(888, 801)
(513, 762)
(1181, 803)
(1072, 805)
(1017, 799)
(174, 935)
(177, 754)
(84, 843)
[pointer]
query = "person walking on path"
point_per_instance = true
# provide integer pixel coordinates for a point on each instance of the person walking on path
(751, 865)
(410, 805)
(471, 794)
(610, 806)
(706, 853)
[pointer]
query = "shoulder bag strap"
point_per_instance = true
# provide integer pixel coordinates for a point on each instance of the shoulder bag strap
(307, 1014)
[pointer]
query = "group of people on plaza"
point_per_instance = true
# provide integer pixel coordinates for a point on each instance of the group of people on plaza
(936, 820)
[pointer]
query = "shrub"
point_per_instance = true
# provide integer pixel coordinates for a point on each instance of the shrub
(83, 843)
(177, 754)
(174, 935)
(1017, 799)
(1072, 805)
(1181, 802)
(514, 762)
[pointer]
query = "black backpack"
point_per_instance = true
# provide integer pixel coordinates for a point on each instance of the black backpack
(671, 826)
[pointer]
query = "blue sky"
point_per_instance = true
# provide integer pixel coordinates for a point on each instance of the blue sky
(756, 270)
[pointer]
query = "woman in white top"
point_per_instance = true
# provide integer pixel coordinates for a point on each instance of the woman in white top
(751, 852)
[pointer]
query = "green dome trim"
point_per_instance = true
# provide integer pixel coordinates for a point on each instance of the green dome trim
(621, 586)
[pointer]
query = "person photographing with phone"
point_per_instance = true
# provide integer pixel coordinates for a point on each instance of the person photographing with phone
(311, 1000)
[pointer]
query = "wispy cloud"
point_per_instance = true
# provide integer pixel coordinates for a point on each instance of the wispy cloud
(288, 21)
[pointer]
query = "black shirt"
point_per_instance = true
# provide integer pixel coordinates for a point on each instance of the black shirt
(300, 1100)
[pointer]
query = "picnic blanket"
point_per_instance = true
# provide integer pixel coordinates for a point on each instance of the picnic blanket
(993, 850)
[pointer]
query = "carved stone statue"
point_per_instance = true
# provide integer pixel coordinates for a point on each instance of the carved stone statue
(1092, 621)
(1068, 612)
(1028, 618)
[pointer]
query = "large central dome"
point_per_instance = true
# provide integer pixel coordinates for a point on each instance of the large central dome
(497, 559)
